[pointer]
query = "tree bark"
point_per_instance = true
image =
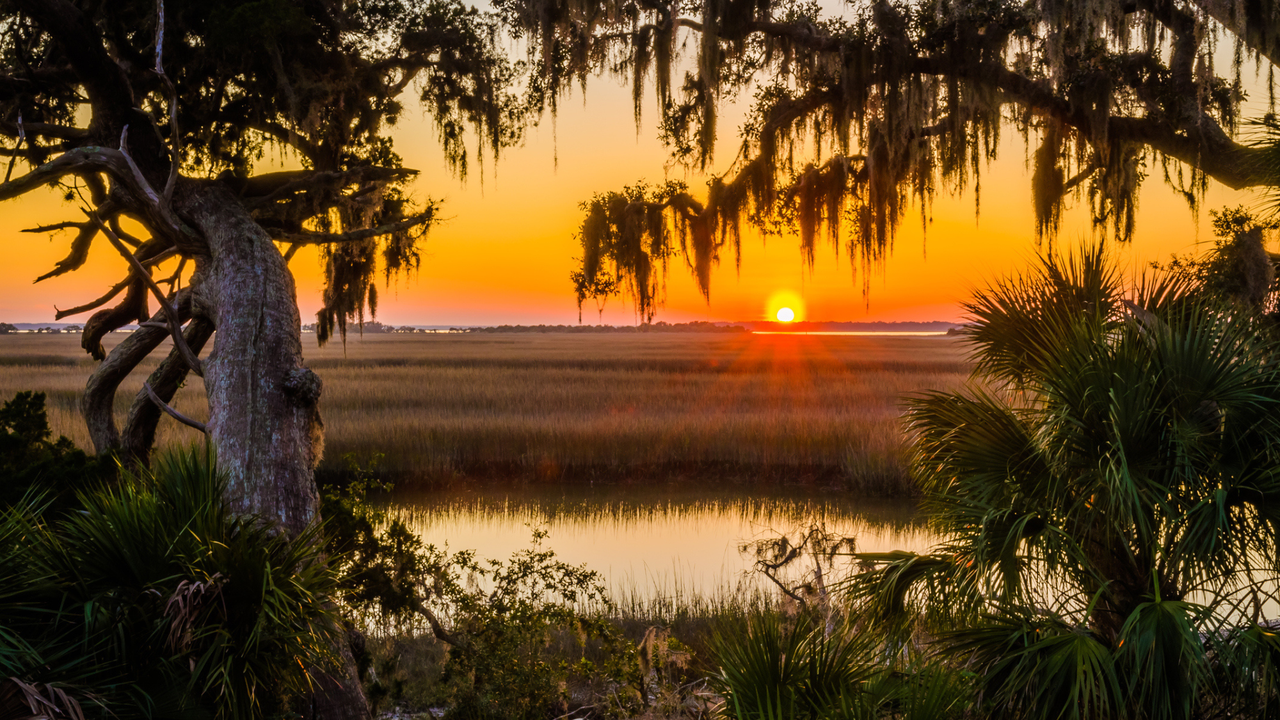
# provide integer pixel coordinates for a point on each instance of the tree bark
(262, 401)
(263, 419)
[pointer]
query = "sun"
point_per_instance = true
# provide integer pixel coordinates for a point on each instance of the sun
(784, 306)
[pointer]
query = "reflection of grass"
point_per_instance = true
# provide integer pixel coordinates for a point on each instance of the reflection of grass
(604, 505)
(569, 406)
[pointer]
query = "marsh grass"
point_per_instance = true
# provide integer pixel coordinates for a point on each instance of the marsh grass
(570, 407)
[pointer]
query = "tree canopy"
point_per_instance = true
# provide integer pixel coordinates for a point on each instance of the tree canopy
(229, 81)
(861, 112)
(161, 113)
(155, 118)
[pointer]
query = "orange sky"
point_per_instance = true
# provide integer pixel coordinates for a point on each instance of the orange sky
(506, 249)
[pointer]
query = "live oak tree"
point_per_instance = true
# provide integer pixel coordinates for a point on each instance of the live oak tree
(151, 116)
(858, 113)
(157, 113)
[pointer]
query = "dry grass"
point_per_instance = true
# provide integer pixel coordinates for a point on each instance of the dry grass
(593, 406)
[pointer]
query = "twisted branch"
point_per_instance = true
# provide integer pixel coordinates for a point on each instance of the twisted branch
(168, 409)
(175, 324)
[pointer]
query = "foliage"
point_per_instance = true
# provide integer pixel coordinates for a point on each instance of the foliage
(858, 112)
(509, 626)
(506, 615)
(777, 667)
(796, 670)
(29, 459)
(151, 600)
(1238, 268)
(1109, 499)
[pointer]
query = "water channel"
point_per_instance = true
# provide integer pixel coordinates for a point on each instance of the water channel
(651, 541)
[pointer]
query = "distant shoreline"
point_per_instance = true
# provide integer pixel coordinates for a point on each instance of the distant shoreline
(804, 327)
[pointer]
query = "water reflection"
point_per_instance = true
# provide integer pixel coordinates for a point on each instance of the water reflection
(655, 541)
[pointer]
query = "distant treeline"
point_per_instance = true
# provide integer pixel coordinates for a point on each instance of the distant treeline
(832, 326)
(9, 328)
(374, 328)
(689, 327)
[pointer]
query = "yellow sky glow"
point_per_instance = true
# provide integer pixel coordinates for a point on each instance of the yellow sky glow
(504, 252)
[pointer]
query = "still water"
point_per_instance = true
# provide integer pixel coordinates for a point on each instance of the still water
(650, 541)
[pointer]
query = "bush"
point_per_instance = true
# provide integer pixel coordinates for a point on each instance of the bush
(521, 634)
(29, 459)
(149, 599)
(1109, 499)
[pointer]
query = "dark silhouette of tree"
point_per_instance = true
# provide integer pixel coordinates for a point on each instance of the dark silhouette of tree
(157, 112)
(855, 116)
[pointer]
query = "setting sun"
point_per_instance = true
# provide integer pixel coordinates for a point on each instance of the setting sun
(785, 306)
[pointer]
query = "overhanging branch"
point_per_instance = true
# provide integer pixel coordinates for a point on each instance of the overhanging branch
(316, 238)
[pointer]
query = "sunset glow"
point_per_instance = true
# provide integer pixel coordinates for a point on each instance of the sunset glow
(785, 306)
(507, 242)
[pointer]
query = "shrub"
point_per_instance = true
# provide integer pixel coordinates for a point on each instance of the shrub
(1108, 497)
(149, 599)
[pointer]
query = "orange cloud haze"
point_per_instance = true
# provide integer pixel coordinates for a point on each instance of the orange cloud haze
(504, 252)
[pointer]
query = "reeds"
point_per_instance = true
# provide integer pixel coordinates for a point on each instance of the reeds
(597, 407)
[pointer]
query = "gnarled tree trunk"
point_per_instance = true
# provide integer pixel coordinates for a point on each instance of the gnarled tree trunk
(262, 401)
(263, 419)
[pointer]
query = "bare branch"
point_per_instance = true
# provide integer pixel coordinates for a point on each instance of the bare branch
(139, 431)
(79, 246)
(175, 325)
(313, 238)
(139, 180)
(92, 159)
(55, 227)
(175, 139)
(98, 403)
(95, 304)
(114, 222)
(171, 412)
(78, 254)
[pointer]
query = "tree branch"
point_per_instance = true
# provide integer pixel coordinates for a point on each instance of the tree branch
(175, 324)
(95, 158)
(94, 304)
(98, 403)
(168, 409)
(265, 189)
(315, 238)
(48, 130)
(144, 414)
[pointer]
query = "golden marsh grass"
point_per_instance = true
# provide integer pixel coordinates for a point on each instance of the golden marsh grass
(562, 406)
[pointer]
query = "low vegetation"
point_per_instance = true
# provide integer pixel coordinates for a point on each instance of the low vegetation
(139, 595)
(1105, 489)
(443, 408)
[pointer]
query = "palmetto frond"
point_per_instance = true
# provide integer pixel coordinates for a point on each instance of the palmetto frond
(1119, 458)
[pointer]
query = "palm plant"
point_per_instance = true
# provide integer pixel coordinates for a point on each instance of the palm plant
(771, 668)
(1109, 497)
(151, 599)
